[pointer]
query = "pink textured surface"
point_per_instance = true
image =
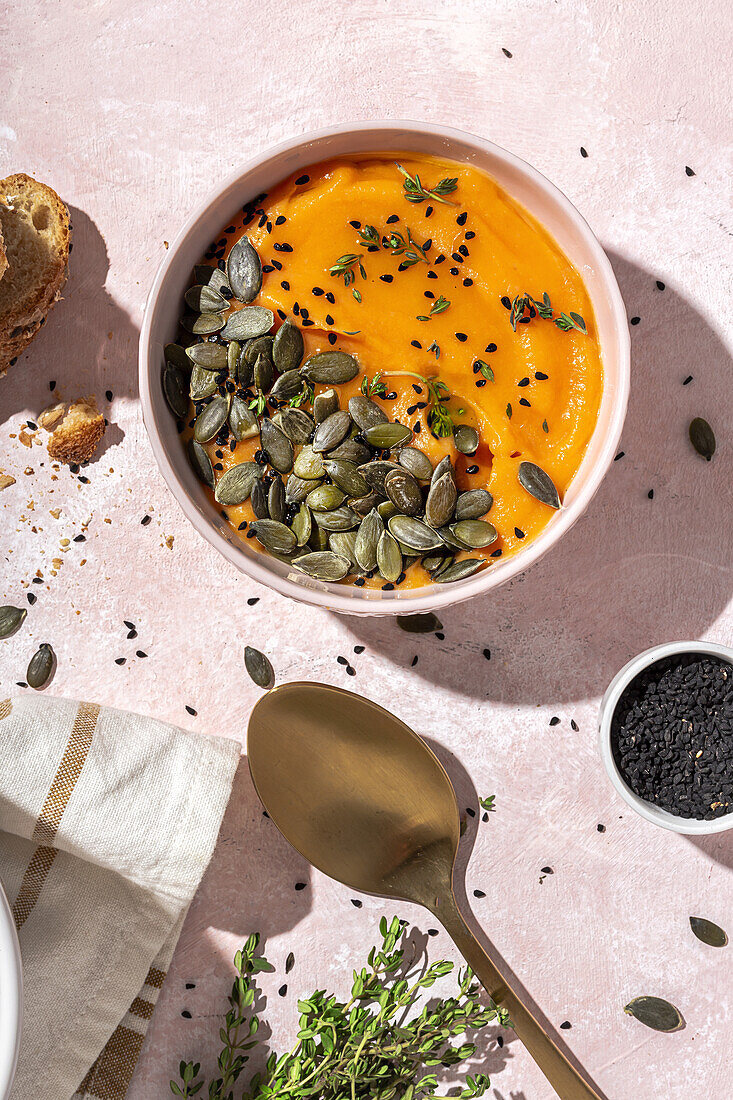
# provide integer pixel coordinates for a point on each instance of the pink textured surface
(131, 112)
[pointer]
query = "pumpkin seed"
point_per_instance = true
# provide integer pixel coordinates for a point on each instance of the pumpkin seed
(376, 472)
(297, 488)
(176, 356)
(175, 389)
(308, 464)
(331, 431)
(465, 439)
(274, 536)
(338, 519)
(277, 446)
(41, 666)
(343, 543)
(459, 570)
(211, 419)
(204, 275)
(419, 624)
(538, 484)
(287, 347)
(296, 423)
(324, 565)
(302, 525)
(708, 932)
(324, 498)
(236, 483)
(209, 356)
(443, 567)
(202, 384)
(387, 509)
(264, 373)
(347, 477)
(248, 322)
(352, 451)
(445, 466)
(244, 270)
(259, 667)
(474, 533)
(259, 345)
(204, 299)
(404, 492)
(276, 499)
(331, 368)
(242, 420)
(414, 533)
(324, 405)
(202, 324)
(258, 500)
(389, 558)
(201, 463)
(473, 504)
(655, 1012)
(416, 462)
(386, 436)
(441, 500)
(446, 533)
(11, 619)
(366, 413)
(288, 385)
(245, 369)
(233, 352)
(364, 504)
(367, 540)
(318, 540)
(433, 562)
(702, 438)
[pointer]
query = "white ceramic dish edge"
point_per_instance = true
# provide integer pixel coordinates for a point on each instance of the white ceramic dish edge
(204, 224)
(621, 680)
(11, 997)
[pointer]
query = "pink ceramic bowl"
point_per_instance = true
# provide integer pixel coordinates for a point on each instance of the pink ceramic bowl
(524, 183)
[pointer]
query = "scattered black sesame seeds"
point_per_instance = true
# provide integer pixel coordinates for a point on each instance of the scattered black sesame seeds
(506, 52)
(687, 380)
(601, 828)
(555, 721)
(191, 710)
(583, 152)
(689, 171)
(145, 520)
(566, 1025)
(635, 320)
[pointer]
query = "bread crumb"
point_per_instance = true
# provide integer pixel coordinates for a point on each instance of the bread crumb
(55, 512)
(6, 481)
(169, 541)
(52, 416)
(76, 438)
(25, 438)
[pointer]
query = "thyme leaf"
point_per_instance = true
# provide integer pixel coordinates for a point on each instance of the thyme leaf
(345, 266)
(440, 305)
(438, 417)
(416, 192)
(525, 308)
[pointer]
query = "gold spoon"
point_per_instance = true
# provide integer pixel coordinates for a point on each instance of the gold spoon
(367, 802)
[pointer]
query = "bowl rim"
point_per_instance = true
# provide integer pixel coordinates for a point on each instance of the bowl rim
(11, 996)
(614, 691)
(429, 597)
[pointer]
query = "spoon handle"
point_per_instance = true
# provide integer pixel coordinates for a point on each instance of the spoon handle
(562, 1075)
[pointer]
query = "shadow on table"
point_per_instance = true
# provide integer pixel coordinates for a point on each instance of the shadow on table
(633, 571)
(88, 344)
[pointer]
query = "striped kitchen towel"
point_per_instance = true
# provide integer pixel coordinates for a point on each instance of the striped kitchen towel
(107, 823)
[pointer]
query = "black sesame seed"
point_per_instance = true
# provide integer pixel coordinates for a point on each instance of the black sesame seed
(635, 320)
(518, 533)
(186, 1014)
(120, 660)
(359, 648)
(506, 302)
(496, 553)
(524, 401)
(619, 455)
(541, 376)
(547, 871)
(300, 885)
(574, 725)
(31, 597)
(468, 282)
(282, 315)
(284, 247)
(191, 710)
(386, 278)
(355, 225)
(301, 180)
(329, 319)
(523, 382)
(566, 1025)
(660, 285)
(52, 385)
(267, 268)
(277, 265)
(688, 170)
(555, 721)
(506, 52)
(280, 219)
(392, 219)
(472, 469)
(416, 344)
(428, 211)
(601, 828)
(481, 383)
(470, 235)
(687, 380)
(439, 260)
(329, 297)
(479, 894)
(252, 601)
(461, 336)
(650, 494)
(487, 654)
(332, 337)
(461, 219)
(359, 582)
(413, 662)
(140, 653)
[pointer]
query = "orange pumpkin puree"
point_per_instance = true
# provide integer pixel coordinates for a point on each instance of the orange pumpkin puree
(492, 249)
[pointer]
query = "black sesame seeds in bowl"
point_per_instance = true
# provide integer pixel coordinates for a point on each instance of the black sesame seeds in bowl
(666, 728)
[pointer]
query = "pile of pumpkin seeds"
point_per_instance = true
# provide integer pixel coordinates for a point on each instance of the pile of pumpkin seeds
(336, 492)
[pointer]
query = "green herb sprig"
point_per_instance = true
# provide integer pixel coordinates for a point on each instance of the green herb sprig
(416, 192)
(346, 267)
(525, 308)
(395, 243)
(375, 1046)
(438, 417)
(440, 305)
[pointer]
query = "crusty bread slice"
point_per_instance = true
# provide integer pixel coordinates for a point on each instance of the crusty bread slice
(76, 437)
(35, 229)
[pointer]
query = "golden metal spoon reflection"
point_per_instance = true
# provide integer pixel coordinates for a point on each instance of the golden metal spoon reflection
(367, 802)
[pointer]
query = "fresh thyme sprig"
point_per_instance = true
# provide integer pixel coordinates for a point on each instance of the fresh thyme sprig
(438, 417)
(394, 243)
(345, 266)
(440, 305)
(376, 1046)
(416, 192)
(525, 308)
(487, 803)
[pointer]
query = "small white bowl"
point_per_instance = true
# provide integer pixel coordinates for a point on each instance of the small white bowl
(615, 690)
(11, 997)
(523, 183)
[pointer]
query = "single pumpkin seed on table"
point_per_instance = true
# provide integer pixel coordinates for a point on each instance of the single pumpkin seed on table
(11, 619)
(465, 439)
(176, 356)
(387, 436)
(338, 519)
(426, 623)
(308, 464)
(325, 404)
(418, 463)
(235, 484)
(404, 492)
(473, 504)
(242, 420)
(259, 667)
(244, 270)
(538, 484)
(474, 533)
(323, 565)
(41, 666)
(202, 384)
(302, 525)
(202, 324)
(274, 536)
(655, 1013)
(366, 413)
(175, 390)
(330, 368)
(331, 431)
(258, 500)
(264, 373)
(204, 299)
(277, 447)
(459, 570)
(324, 498)
(296, 423)
(211, 419)
(702, 438)
(247, 322)
(367, 540)
(414, 533)
(441, 500)
(346, 476)
(208, 356)
(389, 558)
(201, 463)
(708, 932)
(287, 347)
